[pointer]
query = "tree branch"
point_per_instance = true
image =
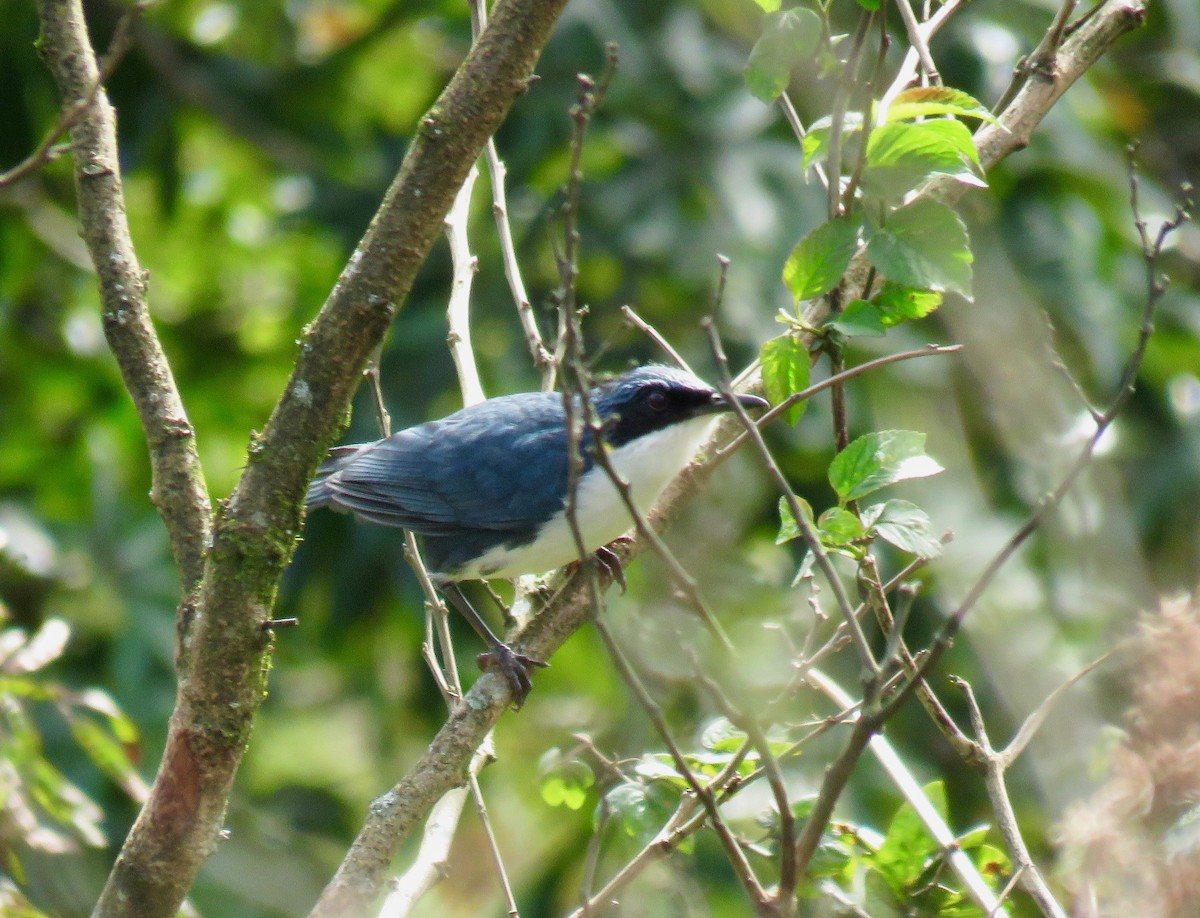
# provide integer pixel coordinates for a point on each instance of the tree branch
(221, 661)
(178, 490)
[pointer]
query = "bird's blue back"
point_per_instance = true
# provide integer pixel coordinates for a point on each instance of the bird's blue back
(463, 481)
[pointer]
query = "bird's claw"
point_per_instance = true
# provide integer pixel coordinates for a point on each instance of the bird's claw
(610, 561)
(515, 667)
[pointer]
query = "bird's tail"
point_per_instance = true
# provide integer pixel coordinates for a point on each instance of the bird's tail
(320, 491)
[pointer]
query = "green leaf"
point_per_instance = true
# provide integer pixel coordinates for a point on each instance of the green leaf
(816, 141)
(785, 366)
(992, 862)
(869, 4)
(788, 37)
(905, 525)
(839, 528)
(908, 845)
(788, 528)
(878, 459)
(924, 245)
(660, 767)
(768, 6)
(859, 318)
(722, 736)
(564, 782)
(897, 303)
(973, 838)
(639, 810)
(820, 259)
(926, 101)
(901, 156)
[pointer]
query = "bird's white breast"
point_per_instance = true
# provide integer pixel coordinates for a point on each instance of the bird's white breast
(648, 463)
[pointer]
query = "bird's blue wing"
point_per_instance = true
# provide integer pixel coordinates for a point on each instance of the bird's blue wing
(499, 465)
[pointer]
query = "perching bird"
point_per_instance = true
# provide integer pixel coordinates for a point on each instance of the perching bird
(486, 487)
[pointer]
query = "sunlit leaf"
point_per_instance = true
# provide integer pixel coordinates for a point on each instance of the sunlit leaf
(839, 528)
(901, 156)
(722, 736)
(878, 459)
(905, 525)
(817, 263)
(926, 101)
(908, 844)
(924, 245)
(785, 367)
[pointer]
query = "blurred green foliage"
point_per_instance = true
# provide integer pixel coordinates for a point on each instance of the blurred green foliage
(257, 139)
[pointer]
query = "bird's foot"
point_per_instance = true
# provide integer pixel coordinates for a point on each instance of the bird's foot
(612, 563)
(515, 667)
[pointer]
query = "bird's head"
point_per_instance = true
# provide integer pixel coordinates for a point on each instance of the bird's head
(654, 397)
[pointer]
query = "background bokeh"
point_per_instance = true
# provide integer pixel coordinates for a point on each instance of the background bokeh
(257, 139)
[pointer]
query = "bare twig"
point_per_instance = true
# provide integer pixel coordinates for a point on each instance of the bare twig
(542, 358)
(458, 313)
(1006, 818)
(866, 657)
(804, 395)
(682, 823)
(975, 885)
(178, 489)
(430, 864)
(733, 851)
(908, 67)
(632, 318)
(46, 151)
(918, 40)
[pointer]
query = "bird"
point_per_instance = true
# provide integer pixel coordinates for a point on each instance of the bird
(487, 488)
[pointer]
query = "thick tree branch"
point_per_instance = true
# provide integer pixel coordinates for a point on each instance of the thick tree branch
(221, 660)
(178, 489)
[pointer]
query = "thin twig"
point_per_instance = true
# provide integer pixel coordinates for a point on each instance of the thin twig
(733, 851)
(46, 151)
(1006, 818)
(918, 40)
(458, 312)
(823, 561)
(907, 71)
(977, 888)
(929, 350)
(632, 318)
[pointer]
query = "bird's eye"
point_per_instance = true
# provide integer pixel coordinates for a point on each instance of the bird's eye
(657, 401)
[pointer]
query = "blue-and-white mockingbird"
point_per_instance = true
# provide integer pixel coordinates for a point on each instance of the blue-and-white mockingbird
(487, 487)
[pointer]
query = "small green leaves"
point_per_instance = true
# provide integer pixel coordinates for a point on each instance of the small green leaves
(924, 245)
(905, 525)
(820, 259)
(564, 782)
(788, 37)
(785, 365)
(927, 101)
(878, 459)
(908, 844)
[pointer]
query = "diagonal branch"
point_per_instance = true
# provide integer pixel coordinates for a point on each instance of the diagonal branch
(222, 640)
(178, 489)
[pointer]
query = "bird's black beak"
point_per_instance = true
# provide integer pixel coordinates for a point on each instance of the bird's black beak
(749, 402)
